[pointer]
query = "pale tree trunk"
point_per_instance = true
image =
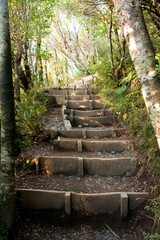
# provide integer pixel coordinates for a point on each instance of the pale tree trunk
(7, 122)
(143, 56)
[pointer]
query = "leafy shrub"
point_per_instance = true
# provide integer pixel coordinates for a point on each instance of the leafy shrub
(154, 208)
(29, 113)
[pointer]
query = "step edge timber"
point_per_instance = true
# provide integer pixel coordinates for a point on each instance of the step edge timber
(93, 145)
(84, 203)
(86, 166)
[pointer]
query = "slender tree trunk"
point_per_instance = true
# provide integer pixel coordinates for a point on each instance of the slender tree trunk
(111, 45)
(143, 56)
(46, 73)
(27, 69)
(17, 71)
(121, 44)
(39, 61)
(57, 73)
(7, 121)
(66, 71)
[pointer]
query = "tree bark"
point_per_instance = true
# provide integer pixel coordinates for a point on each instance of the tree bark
(143, 56)
(7, 121)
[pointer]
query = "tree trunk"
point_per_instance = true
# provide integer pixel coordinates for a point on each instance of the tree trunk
(111, 45)
(143, 56)
(39, 61)
(7, 121)
(17, 72)
(27, 70)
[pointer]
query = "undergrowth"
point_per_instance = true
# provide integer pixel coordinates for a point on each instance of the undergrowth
(29, 113)
(154, 208)
(126, 98)
(3, 230)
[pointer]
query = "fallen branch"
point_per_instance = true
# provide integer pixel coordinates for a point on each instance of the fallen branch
(111, 230)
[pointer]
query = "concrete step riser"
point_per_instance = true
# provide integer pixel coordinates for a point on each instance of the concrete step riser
(93, 146)
(89, 113)
(71, 92)
(86, 166)
(87, 105)
(80, 97)
(91, 121)
(60, 100)
(91, 133)
(86, 204)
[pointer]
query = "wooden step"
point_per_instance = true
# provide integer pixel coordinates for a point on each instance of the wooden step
(86, 166)
(93, 145)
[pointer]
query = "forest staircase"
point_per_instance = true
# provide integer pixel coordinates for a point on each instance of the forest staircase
(91, 144)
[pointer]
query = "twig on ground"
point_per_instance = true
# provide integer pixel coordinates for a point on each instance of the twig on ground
(149, 217)
(111, 231)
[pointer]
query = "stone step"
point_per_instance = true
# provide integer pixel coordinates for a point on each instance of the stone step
(91, 121)
(88, 104)
(86, 204)
(81, 166)
(88, 113)
(88, 133)
(81, 145)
